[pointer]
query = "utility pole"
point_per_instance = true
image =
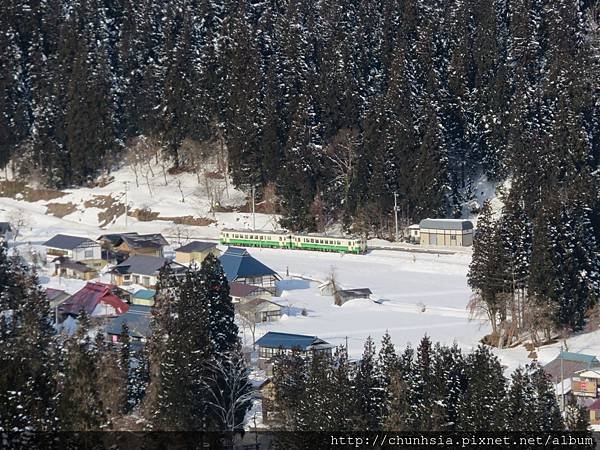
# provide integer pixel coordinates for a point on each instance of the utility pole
(396, 213)
(562, 381)
(126, 183)
(253, 211)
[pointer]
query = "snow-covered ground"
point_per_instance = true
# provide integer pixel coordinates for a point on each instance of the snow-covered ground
(417, 293)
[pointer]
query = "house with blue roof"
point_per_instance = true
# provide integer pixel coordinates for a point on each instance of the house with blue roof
(274, 343)
(144, 297)
(241, 267)
(566, 364)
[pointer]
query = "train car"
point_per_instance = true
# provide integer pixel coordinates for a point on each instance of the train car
(281, 239)
(325, 243)
(249, 238)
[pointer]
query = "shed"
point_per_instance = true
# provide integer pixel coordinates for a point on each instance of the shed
(414, 233)
(96, 299)
(195, 252)
(446, 232)
(138, 323)
(240, 266)
(343, 295)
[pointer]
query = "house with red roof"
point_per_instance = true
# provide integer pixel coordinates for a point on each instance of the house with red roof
(96, 299)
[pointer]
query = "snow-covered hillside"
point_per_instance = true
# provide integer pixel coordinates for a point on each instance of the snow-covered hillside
(182, 197)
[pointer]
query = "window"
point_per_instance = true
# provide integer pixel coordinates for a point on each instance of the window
(127, 277)
(88, 254)
(146, 281)
(136, 279)
(452, 237)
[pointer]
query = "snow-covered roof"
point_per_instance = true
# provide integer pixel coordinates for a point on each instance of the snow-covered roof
(446, 224)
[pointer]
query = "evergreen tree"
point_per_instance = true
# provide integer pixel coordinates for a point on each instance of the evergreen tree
(482, 406)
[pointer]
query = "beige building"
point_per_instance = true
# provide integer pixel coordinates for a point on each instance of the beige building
(196, 251)
(446, 232)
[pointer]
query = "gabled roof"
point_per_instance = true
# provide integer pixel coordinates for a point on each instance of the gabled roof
(446, 224)
(114, 238)
(237, 263)
(89, 297)
(67, 242)
(196, 246)
(144, 265)
(571, 363)
(138, 322)
(237, 289)
(135, 240)
(53, 294)
(579, 357)
(290, 341)
(256, 302)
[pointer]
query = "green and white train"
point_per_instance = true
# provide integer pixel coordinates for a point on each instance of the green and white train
(293, 241)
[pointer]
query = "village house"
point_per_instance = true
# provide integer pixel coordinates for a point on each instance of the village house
(567, 364)
(275, 343)
(137, 319)
(75, 248)
(133, 244)
(261, 310)
(66, 268)
(446, 232)
(195, 252)
(143, 297)
(242, 292)
(143, 270)
(96, 299)
(240, 266)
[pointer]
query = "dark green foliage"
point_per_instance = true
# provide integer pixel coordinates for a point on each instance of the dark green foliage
(436, 94)
(436, 388)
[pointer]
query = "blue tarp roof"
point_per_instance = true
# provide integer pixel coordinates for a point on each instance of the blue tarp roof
(237, 263)
(288, 341)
